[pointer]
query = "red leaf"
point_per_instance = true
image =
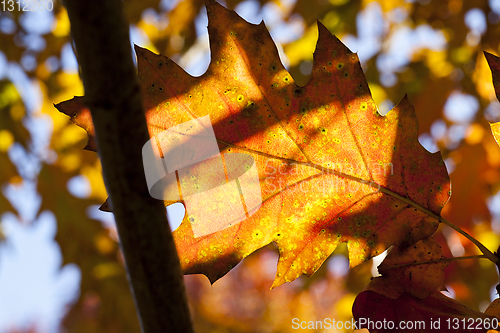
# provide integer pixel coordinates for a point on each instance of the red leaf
(423, 315)
(414, 277)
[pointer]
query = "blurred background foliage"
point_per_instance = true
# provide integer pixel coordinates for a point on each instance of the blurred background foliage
(428, 49)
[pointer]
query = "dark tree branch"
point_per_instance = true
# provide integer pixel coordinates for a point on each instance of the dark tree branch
(101, 36)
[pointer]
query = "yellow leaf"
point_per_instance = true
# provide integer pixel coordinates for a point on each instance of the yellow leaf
(495, 129)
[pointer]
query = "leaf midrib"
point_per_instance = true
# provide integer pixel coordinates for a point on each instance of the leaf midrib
(324, 170)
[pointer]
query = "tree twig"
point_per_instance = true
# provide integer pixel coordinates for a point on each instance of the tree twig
(101, 36)
(487, 253)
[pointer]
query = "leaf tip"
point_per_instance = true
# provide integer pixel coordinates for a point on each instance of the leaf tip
(140, 50)
(212, 6)
(405, 99)
(328, 41)
(489, 56)
(321, 27)
(90, 147)
(493, 61)
(324, 33)
(69, 106)
(106, 206)
(277, 282)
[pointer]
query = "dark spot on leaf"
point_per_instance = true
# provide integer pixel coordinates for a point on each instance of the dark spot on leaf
(299, 92)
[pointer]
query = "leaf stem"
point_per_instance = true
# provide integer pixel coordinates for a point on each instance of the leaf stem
(490, 255)
(487, 253)
(479, 256)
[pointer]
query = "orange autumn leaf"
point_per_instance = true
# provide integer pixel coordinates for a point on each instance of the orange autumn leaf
(407, 270)
(494, 308)
(435, 313)
(331, 168)
(495, 129)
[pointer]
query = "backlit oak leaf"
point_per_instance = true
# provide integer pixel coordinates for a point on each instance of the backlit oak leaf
(331, 168)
